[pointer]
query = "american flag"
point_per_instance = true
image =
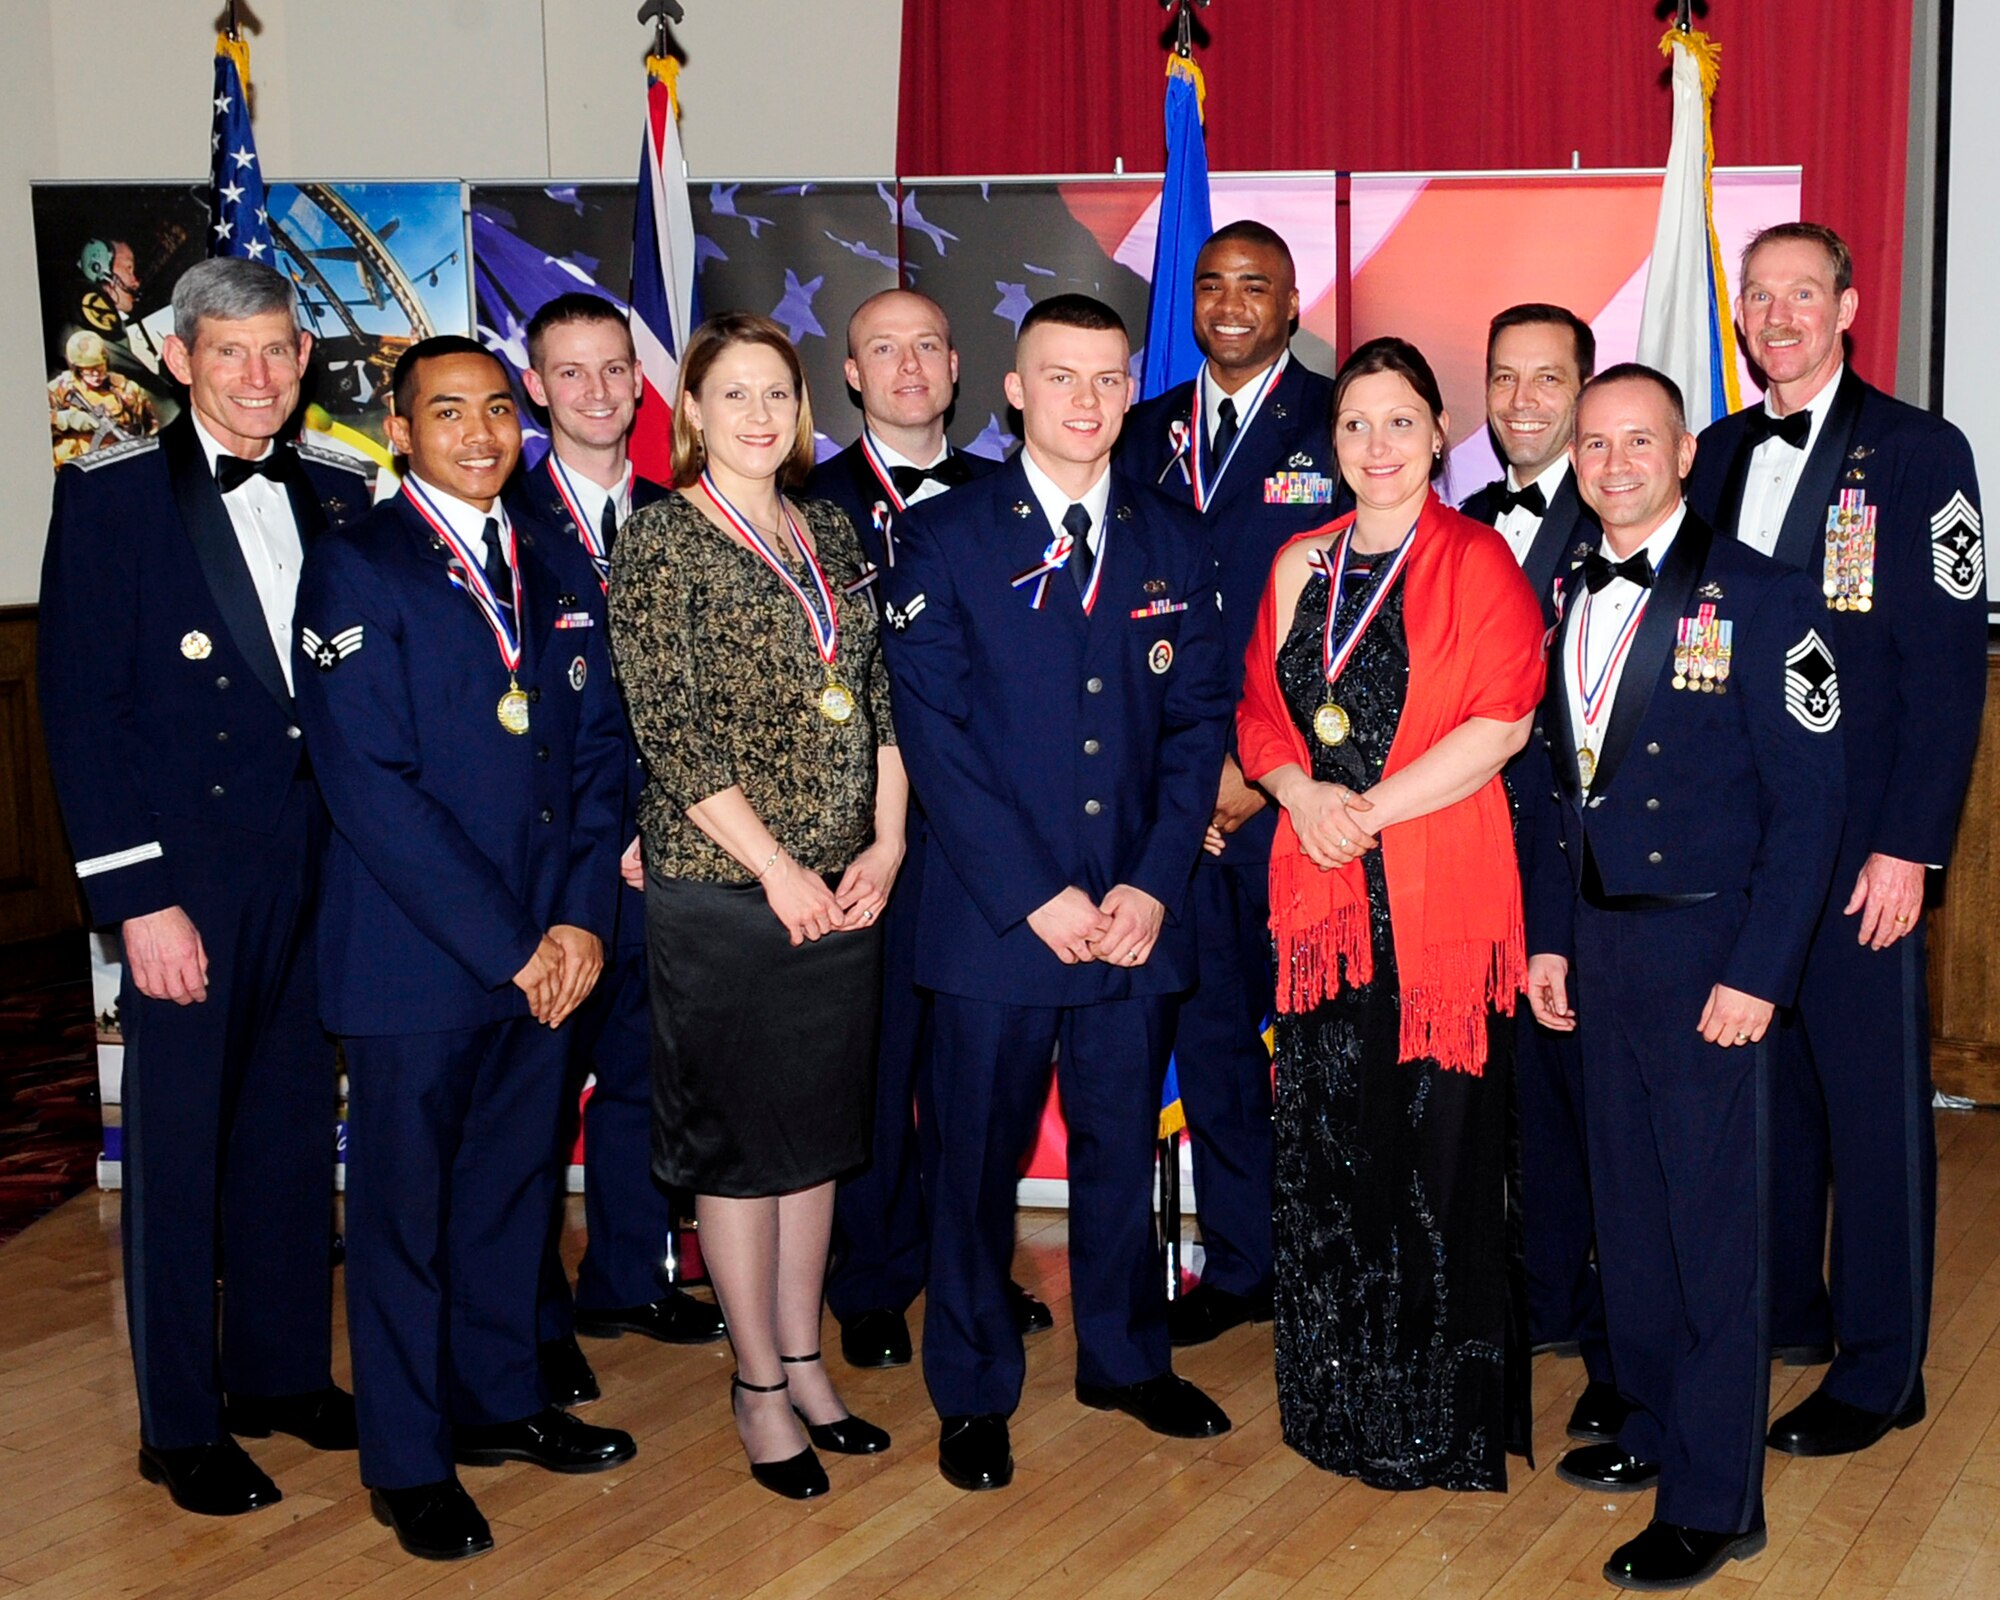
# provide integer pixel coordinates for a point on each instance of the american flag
(663, 266)
(238, 222)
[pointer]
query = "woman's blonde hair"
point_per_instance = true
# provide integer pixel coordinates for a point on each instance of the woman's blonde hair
(705, 346)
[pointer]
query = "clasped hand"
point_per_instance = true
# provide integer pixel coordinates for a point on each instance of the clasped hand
(1326, 817)
(810, 910)
(561, 973)
(1121, 931)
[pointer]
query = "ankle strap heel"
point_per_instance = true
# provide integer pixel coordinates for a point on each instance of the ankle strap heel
(736, 1382)
(798, 1361)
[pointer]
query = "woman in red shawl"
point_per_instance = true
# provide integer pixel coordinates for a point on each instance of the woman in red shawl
(1409, 670)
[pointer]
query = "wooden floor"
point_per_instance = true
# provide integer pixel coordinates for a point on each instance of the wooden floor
(1098, 1506)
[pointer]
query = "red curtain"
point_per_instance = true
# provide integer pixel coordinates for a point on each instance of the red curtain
(1067, 86)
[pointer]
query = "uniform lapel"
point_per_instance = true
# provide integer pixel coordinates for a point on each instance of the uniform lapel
(1120, 550)
(1805, 518)
(216, 547)
(1552, 539)
(1022, 537)
(307, 513)
(1673, 586)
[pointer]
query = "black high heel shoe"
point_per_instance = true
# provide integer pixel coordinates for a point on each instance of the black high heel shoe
(849, 1435)
(798, 1477)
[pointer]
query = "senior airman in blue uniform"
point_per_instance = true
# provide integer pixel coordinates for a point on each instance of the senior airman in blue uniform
(1055, 646)
(1684, 852)
(456, 692)
(166, 683)
(1877, 502)
(1248, 442)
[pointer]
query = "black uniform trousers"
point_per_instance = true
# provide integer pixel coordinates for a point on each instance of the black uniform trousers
(1678, 1140)
(985, 1095)
(1565, 1298)
(450, 1178)
(1224, 1071)
(228, 1129)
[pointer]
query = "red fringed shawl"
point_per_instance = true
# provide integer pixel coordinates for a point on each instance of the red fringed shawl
(1475, 640)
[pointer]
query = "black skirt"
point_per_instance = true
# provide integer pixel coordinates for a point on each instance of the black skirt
(763, 1054)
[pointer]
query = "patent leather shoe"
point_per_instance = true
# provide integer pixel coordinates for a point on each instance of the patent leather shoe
(799, 1477)
(1168, 1404)
(1667, 1556)
(974, 1452)
(211, 1480)
(675, 1318)
(1820, 1425)
(324, 1418)
(844, 1436)
(566, 1373)
(551, 1439)
(1030, 1315)
(1605, 1466)
(1203, 1312)
(433, 1521)
(1599, 1413)
(876, 1339)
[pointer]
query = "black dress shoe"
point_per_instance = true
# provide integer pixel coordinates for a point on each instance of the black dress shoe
(324, 1418)
(844, 1436)
(876, 1339)
(1668, 1556)
(1562, 1349)
(1203, 1312)
(799, 1477)
(675, 1318)
(1600, 1412)
(1167, 1404)
(551, 1439)
(1030, 1315)
(566, 1373)
(1605, 1466)
(211, 1480)
(973, 1452)
(433, 1521)
(1820, 1425)
(1802, 1355)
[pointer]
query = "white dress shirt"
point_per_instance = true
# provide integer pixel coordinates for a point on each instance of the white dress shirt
(930, 488)
(1518, 526)
(1249, 400)
(261, 513)
(469, 523)
(1774, 474)
(1054, 501)
(1599, 619)
(591, 495)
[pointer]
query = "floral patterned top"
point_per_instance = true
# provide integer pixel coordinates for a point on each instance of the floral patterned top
(723, 679)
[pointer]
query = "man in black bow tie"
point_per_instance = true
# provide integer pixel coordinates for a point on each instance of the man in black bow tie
(167, 670)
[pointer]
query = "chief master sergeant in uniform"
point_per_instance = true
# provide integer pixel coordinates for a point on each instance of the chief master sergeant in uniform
(1248, 442)
(457, 699)
(1877, 502)
(1684, 849)
(166, 679)
(1054, 643)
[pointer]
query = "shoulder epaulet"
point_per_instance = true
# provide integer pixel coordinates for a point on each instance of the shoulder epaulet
(91, 460)
(327, 456)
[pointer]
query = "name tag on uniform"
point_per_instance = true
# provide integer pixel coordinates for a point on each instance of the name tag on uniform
(576, 619)
(1298, 489)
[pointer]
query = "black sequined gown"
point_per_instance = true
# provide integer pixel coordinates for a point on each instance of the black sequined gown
(1390, 1220)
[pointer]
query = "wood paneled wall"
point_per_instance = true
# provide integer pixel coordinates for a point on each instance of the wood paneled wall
(38, 892)
(1965, 978)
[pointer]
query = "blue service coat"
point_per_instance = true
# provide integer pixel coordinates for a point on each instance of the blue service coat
(850, 483)
(456, 843)
(1053, 748)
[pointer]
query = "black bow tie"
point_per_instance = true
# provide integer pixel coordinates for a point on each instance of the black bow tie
(232, 472)
(1794, 429)
(908, 480)
(1530, 499)
(1635, 568)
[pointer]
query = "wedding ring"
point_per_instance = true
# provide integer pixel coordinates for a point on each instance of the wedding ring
(1743, 1038)
(1346, 843)
(1901, 917)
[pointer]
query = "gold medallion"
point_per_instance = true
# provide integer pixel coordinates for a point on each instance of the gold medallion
(836, 701)
(1586, 765)
(1331, 724)
(513, 710)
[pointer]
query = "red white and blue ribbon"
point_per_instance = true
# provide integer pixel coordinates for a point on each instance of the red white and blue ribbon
(1055, 558)
(1334, 654)
(589, 532)
(873, 452)
(469, 571)
(824, 619)
(1597, 695)
(1205, 487)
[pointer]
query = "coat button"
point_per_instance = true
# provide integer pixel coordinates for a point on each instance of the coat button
(222, 683)
(1094, 685)
(1654, 858)
(541, 752)
(535, 697)
(1652, 805)
(548, 815)
(292, 732)
(216, 791)
(1653, 748)
(222, 737)
(1090, 807)
(1091, 747)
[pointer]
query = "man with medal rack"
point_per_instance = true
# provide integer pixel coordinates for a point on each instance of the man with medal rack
(1056, 654)
(1684, 849)
(167, 684)
(582, 370)
(901, 363)
(1249, 443)
(1538, 358)
(1877, 502)
(457, 699)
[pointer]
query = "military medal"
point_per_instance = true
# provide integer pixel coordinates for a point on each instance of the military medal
(468, 572)
(1586, 766)
(1595, 693)
(834, 701)
(1331, 723)
(1847, 570)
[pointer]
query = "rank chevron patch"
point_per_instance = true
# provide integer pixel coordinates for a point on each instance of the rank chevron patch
(1812, 689)
(1958, 550)
(326, 654)
(899, 619)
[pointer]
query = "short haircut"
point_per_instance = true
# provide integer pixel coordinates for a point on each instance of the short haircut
(1073, 311)
(1837, 254)
(944, 322)
(230, 289)
(705, 345)
(1639, 372)
(1406, 361)
(1536, 314)
(403, 383)
(577, 306)
(1252, 233)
